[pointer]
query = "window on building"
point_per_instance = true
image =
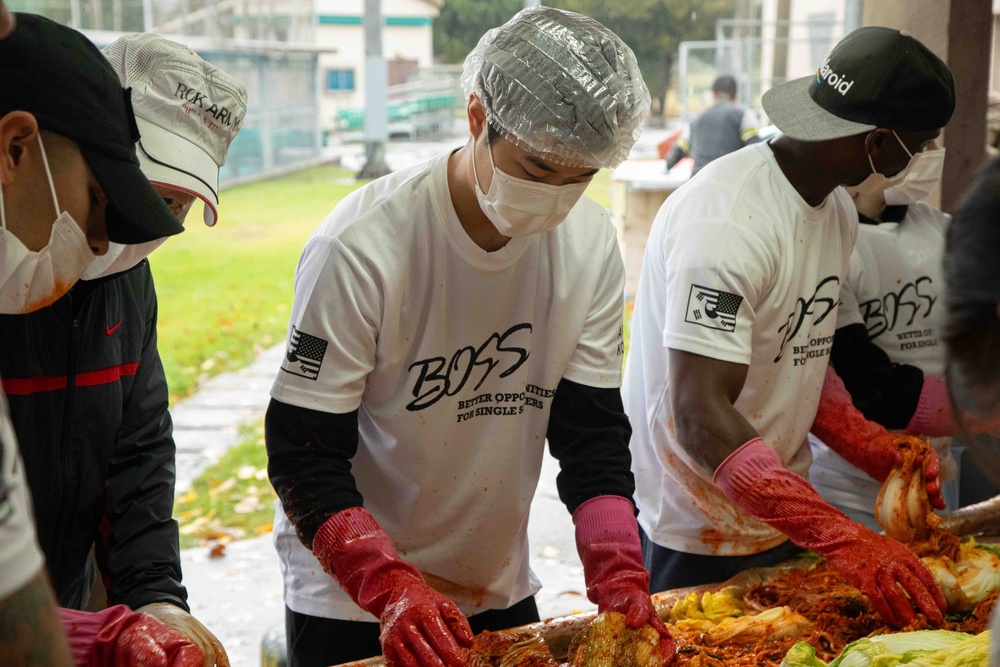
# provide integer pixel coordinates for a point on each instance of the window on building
(339, 80)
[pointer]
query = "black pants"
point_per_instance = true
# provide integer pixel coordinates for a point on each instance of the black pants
(669, 569)
(319, 642)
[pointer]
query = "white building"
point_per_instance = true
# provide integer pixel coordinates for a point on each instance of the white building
(407, 45)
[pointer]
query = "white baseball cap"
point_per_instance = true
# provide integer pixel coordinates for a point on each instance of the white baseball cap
(188, 112)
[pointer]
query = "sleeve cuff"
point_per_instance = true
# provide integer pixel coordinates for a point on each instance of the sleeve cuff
(933, 414)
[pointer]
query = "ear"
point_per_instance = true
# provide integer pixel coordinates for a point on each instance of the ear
(875, 142)
(17, 130)
(477, 115)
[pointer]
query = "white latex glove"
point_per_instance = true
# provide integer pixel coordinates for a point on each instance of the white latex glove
(189, 626)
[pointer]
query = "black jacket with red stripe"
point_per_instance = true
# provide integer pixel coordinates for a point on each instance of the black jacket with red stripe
(88, 397)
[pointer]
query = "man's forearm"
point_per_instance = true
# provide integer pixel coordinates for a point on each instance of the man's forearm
(30, 630)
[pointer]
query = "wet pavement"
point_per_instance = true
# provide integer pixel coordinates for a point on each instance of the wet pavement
(239, 596)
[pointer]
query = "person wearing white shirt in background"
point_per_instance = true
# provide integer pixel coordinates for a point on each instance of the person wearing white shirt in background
(886, 349)
(734, 320)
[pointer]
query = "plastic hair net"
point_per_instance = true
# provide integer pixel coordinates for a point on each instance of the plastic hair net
(560, 85)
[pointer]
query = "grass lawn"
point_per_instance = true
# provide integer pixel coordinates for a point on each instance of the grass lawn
(232, 499)
(225, 291)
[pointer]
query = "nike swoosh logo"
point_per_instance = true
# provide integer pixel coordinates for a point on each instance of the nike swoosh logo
(111, 330)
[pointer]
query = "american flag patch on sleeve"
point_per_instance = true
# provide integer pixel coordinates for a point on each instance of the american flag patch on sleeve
(305, 355)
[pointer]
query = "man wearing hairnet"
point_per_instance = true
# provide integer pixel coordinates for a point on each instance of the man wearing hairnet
(447, 320)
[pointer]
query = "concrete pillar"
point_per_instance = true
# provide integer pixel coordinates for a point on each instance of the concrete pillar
(969, 58)
(376, 95)
(959, 31)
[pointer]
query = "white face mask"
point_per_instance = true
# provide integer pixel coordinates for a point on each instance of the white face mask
(120, 258)
(922, 178)
(519, 207)
(32, 280)
(877, 183)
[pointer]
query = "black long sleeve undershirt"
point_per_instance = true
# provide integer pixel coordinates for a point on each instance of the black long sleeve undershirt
(589, 434)
(885, 392)
(309, 462)
(309, 454)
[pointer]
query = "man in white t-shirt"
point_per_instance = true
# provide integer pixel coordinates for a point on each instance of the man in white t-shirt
(447, 320)
(886, 349)
(734, 319)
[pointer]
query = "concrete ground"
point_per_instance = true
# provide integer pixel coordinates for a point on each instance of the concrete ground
(239, 596)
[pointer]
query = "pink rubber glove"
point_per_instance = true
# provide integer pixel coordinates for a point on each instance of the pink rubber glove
(879, 566)
(419, 625)
(119, 636)
(932, 418)
(607, 538)
(867, 445)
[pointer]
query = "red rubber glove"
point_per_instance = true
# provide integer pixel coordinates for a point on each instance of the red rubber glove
(867, 445)
(119, 636)
(419, 625)
(607, 538)
(879, 566)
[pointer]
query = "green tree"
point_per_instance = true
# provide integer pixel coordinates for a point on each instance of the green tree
(653, 29)
(461, 23)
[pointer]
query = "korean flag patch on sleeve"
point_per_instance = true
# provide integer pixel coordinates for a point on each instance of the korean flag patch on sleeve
(712, 308)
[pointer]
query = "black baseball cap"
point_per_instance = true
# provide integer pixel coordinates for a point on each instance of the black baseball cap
(60, 77)
(874, 77)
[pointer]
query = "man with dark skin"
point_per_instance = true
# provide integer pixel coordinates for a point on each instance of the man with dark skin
(705, 411)
(734, 321)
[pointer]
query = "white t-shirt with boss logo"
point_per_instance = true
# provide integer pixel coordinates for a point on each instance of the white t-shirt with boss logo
(738, 267)
(894, 287)
(452, 356)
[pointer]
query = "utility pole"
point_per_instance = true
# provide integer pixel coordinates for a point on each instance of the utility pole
(376, 94)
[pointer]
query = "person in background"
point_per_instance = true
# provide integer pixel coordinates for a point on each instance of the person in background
(886, 348)
(88, 142)
(86, 387)
(719, 130)
(447, 320)
(734, 320)
(971, 325)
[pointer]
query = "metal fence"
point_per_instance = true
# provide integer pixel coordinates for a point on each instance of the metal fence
(430, 105)
(759, 55)
(250, 39)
